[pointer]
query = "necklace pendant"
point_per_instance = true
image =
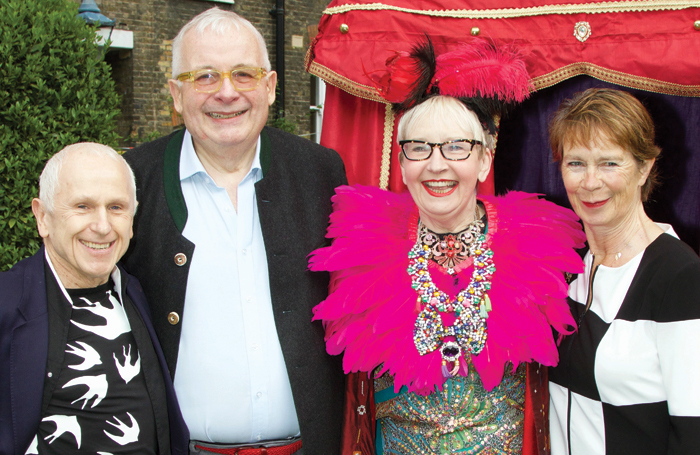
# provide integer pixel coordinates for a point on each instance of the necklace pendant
(451, 353)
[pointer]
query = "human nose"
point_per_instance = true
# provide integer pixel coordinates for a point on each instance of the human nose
(227, 89)
(591, 178)
(437, 162)
(101, 223)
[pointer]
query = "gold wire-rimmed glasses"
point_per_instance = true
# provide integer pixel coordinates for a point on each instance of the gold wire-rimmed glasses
(210, 80)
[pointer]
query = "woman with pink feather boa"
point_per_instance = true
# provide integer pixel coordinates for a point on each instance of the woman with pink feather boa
(445, 299)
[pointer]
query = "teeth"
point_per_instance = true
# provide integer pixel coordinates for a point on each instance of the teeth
(222, 116)
(439, 184)
(96, 246)
(440, 187)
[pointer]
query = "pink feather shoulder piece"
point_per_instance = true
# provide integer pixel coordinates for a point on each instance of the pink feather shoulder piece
(371, 310)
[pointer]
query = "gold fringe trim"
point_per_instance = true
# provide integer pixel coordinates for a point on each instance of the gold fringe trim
(386, 149)
(505, 13)
(343, 83)
(539, 83)
(614, 77)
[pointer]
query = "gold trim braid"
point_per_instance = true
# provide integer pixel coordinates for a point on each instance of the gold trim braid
(614, 77)
(368, 93)
(386, 148)
(623, 6)
(343, 83)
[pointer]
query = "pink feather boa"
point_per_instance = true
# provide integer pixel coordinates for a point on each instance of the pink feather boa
(371, 310)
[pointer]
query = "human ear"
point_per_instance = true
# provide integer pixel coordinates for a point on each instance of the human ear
(40, 214)
(485, 160)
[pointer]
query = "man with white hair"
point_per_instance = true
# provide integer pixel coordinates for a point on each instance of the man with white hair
(82, 371)
(229, 211)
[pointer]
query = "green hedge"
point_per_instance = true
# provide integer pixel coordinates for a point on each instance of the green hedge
(55, 89)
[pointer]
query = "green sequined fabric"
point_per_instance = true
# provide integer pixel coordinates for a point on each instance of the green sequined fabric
(462, 418)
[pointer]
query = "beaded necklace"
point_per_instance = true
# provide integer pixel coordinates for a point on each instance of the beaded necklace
(450, 250)
(471, 305)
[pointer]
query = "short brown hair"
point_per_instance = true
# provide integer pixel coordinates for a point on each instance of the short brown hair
(613, 114)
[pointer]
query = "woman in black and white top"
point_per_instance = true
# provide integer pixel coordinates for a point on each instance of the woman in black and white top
(628, 381)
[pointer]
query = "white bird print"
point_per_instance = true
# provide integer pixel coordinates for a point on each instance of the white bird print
(33, 447)
(97, 388)
(89, 355)
(131, 433)
(64, 424)
(116, 322)
(127, 371)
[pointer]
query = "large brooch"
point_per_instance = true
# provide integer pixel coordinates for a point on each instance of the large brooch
(471, 307)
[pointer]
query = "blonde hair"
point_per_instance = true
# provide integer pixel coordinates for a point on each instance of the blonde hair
(441, 108)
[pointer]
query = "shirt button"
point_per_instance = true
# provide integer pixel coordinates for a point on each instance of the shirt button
(50, 374)
(254, 347)
(244, 251)
(180, 259)
(173, 318)
(259, 395)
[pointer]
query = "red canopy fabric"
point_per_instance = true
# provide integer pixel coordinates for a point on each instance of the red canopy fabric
(642, 44)
(648, 45)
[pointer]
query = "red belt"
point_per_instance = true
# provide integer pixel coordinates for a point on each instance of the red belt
(289, 449)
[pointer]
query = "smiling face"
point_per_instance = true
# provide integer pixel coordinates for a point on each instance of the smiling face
(226, 121)
(89, 228)
(444, 191)
(604, 183)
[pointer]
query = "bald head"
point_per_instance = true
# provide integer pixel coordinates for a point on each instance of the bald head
(49, 182)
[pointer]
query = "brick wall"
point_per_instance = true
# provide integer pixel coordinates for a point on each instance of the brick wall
(142, 74)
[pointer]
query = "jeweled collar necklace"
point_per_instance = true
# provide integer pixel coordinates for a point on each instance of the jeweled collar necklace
(449, 250)
(471, 305)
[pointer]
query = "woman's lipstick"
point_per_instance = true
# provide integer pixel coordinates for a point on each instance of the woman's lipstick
(440, 188)
(595, 205)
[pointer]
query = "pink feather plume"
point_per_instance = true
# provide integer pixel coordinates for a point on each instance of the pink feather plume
(481, 69)
(370, 313)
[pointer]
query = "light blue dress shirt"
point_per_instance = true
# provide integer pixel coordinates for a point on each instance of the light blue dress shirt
(231, 379)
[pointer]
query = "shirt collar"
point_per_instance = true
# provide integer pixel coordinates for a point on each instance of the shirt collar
(115, 275)
(190, 164)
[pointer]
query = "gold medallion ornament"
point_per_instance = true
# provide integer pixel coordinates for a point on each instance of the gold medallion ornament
(582, 30)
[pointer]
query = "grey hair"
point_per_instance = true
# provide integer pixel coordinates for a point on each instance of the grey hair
(49, 180)
(219, 22)
(441, 108)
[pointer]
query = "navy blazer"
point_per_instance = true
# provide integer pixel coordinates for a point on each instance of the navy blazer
(24, 340)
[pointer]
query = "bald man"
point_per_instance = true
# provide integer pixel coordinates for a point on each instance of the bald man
(82, 371)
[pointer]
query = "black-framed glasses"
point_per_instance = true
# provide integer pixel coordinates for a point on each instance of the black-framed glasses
(209, 80)
(457, 150)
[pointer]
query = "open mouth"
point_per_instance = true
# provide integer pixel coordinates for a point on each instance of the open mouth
(218, 116)
(97, 246)
(441, 187)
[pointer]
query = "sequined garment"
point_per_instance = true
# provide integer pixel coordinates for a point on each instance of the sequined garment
(461, 419)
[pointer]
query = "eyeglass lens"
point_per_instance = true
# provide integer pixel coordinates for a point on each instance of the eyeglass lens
(453, 150)
(242, 79)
